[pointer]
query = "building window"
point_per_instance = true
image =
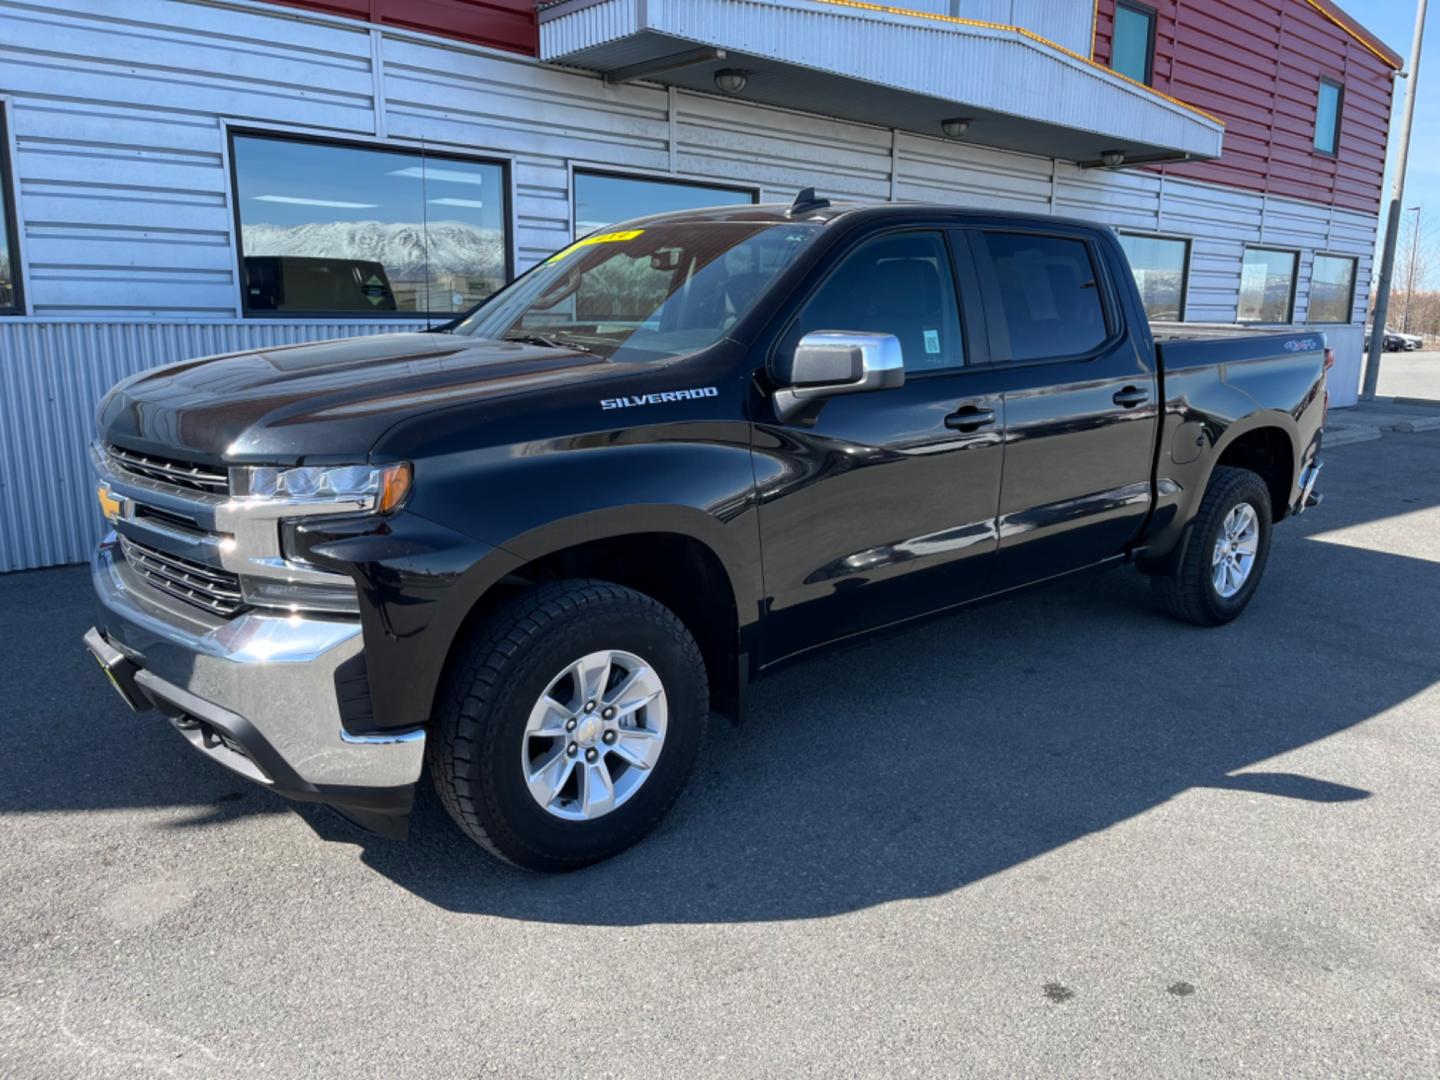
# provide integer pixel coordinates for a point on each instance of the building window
(1267, 286)
(604, 198)
(337, 229)
(1161, 266)
(9, 234)
(1332, 289)
(1132, 51)
(1327, 117)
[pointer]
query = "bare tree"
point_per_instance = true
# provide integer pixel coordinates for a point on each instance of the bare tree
(1414, 261)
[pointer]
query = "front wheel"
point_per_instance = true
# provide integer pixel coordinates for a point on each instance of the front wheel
(1229, 545)
(568, 724)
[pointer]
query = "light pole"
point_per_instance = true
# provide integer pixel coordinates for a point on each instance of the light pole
(1410, 275)
(1387, 260)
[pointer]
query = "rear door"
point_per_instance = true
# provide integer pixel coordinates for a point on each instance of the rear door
(880, 506)
(1081, 400)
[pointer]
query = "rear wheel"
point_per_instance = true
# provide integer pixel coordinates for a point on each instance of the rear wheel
(568, 724)
(1228, 548)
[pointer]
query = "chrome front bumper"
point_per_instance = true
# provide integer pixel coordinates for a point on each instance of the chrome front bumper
(259, 693)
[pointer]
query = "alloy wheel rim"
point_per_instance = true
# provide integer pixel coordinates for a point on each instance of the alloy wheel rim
(1235, 550)
(594, 736)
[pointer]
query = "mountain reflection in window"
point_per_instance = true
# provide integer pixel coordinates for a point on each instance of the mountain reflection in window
(1160, 265)
(348, 230)
(1267, 285)
(1332, 289)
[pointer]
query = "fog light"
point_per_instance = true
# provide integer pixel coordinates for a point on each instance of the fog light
(300, 595)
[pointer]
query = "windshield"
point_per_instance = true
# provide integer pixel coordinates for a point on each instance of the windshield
(643, 294)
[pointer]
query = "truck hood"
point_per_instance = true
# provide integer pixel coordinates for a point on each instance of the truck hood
(329, 399)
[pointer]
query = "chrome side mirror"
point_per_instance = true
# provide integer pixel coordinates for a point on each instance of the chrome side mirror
(830, 362)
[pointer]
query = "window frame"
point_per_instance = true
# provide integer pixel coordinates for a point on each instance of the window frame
(1152, 16)
(1289, 319)
(1189, 242)
(309, 138)
(1339, 86)
(580, 169)
(10, 213)
(1354, 261)
(973, 339)
(997, 326)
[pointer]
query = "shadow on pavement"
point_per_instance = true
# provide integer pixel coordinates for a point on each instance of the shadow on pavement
(898, 769)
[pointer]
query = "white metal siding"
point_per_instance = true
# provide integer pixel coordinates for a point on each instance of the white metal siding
(127, 228)
(120, 165)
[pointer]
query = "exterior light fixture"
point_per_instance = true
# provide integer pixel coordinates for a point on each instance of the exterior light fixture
(955, 127)
(731, 80)
(1112, 158)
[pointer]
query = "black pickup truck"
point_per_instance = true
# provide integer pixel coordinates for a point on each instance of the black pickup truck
(534, 551)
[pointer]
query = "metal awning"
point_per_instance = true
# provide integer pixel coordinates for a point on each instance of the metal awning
(884, 66)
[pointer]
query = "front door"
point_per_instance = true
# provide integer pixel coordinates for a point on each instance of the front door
(880, 506)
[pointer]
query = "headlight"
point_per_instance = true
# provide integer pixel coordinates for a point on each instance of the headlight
(373, 488)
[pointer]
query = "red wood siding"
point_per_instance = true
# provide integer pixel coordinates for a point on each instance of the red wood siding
(501, 24)
(1257, 65)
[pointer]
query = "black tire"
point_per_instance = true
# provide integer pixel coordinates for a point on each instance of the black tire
(497, 676)
(1189, 594)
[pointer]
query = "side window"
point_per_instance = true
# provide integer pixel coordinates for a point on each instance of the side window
(1133, 44)
(1328, 104)
(1049, 294)
(9, 253)
(899, 284)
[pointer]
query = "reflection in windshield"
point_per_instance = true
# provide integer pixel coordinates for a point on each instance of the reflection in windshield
(647, 293)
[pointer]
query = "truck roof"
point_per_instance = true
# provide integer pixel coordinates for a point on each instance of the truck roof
(825, 212)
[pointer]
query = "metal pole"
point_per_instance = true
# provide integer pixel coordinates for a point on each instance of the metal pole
(1410, 276)
(1387, 260)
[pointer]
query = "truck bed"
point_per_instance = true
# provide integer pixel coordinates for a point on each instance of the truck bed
(1195, 345)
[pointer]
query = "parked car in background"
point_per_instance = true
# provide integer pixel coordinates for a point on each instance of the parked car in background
(535, 551)
(1393, 341)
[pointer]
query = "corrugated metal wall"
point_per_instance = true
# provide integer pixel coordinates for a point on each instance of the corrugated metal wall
(127, 227)
(52, 375)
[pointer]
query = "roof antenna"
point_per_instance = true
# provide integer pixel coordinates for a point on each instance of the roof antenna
(806, 202)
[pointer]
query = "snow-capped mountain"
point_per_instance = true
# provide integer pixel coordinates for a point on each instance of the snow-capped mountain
(404, 248)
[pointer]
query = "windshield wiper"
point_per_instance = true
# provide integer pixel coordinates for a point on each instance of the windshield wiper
(548, 342)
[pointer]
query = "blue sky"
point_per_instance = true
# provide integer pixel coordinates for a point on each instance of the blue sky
(1394, 22)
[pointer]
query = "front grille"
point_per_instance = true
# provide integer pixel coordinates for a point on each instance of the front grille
(185, 474)
(217, 591)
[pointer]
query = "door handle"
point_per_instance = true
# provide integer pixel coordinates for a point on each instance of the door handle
(1131, 396)
(970, 418)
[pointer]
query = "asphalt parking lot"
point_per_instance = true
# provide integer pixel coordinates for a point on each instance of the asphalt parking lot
(1411, 374)
(1055, 836)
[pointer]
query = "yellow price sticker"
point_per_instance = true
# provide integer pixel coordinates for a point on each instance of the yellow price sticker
(603, 238)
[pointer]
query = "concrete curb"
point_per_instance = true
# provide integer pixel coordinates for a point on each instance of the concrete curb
(1350, 433)
(1370, 419)
(1420, 423)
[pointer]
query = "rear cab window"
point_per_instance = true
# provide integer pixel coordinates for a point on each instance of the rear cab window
(1047, 294)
